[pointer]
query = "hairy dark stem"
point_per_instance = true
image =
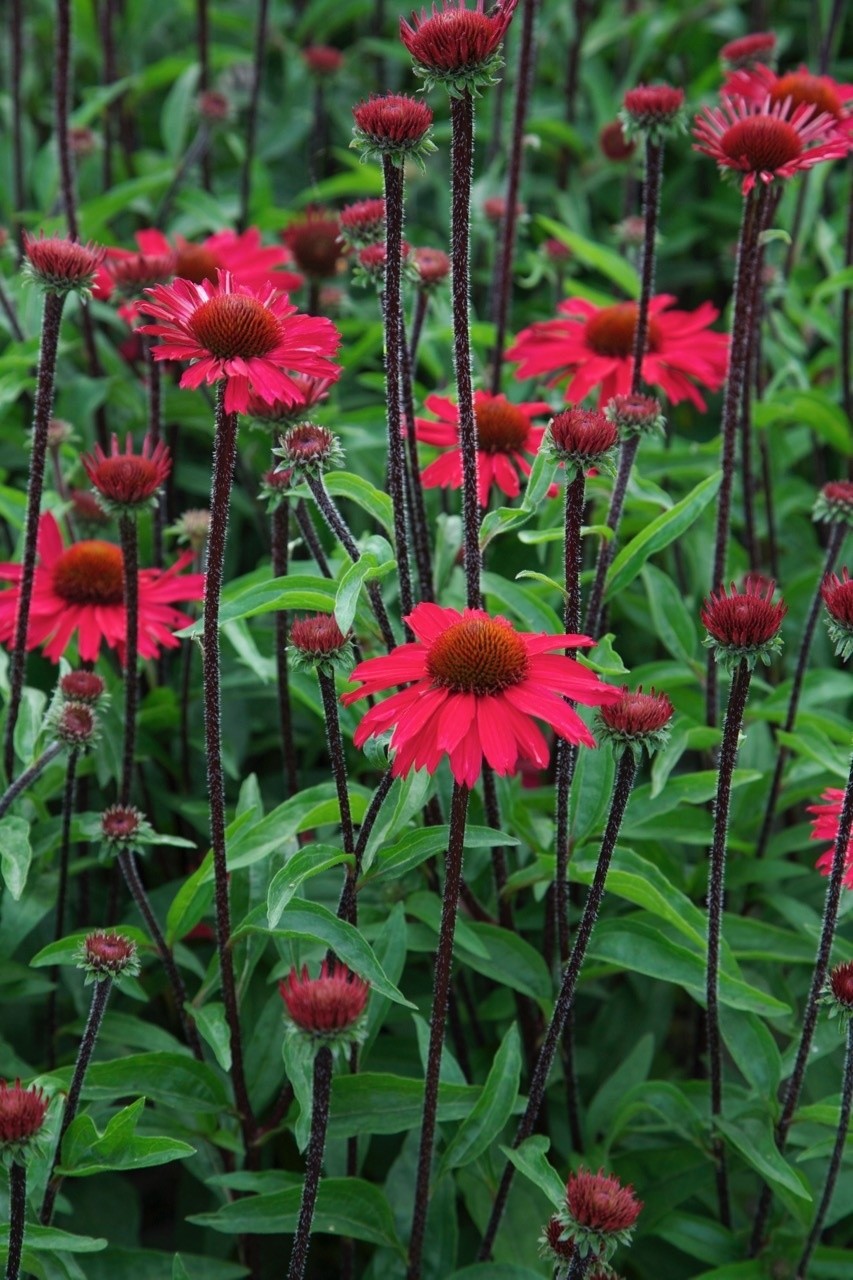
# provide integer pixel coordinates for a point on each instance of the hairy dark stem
(280, 533)
(835, 1163)
(716, 893)
(28, 777)
(462, 160)
(501, 300)
(68, 797)
(847, 313)
(51, 318)
(129, 548)
(623, 783)
(61, 102)
(339, 773)
(441, 991)
(836, 539)
(417, 508)
(821, 968)
(421, 304)
(309, 537)
(203, 42)
(17, 1218)
(100, 995)
(107, 16)
(10, 314)
(594, 605)
(313, 1161)
(224, 457)
(252, 115)
(651, 209)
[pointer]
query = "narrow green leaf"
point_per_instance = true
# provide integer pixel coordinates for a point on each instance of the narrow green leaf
(492, 1110)
(605, 261)
(663, 530)
(15, 853)
(531, 1159)
(302, 866)
(346, 484)
(753, 1138)
(213, 1025)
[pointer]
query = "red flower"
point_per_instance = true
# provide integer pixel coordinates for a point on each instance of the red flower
(82, 686)
(326, 1005)
(322, 59)
(108, 955)
(432, 265)
(651, 105)
(638, 714)
(311, 392)
(393, 118)
(795, 89)
(317, 637)
(363, 222)
(76, 724)
(60, 265)
(825, 826)
(81, 589)
(505, 433)
(130, 272)
(22, 1113)
(594, 347)
(748, 50)
(476, 686)
(841, 985)
(454, 39)
(614, 145)
(314, 239)
(248, 339)
(599, 1202)
(744, 624)
(766, 141)
(838, 597)
(128, 481)
(583, 436)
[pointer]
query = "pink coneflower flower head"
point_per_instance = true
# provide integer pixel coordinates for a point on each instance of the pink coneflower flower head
(837, 995)
(494, 207)
(825, 826)
(594, 347)
(314, 239)
(614, 143)
(123, 827)
(475, 688)
(82, 686)
(743, 625)
(309, 449)
(583, 438)
(61, 266)
(250, 262)
(746, 51)
(214, 107)
(132, 273)
(601, 1213)
(638, 721)
(80, 589)
(505, 435)
(766, 142)
(834, 503)
(635, 415)
(128, 482)
(838, 598)
(250, 341)
(796, 89)
(432, 266)
(106, 956)
(372, 260)
(22, 1113)
(322, 60)
(653, 110)
(312, 391)
(363, 223)
(393, 125)
(555, 250)
(327, 1009)
(456, 46)
(75, 724)
(318, 642)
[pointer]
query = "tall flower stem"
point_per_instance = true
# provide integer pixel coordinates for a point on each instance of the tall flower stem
(835, 1162)
(130, 554)
(68, 798)
(51, 317)
(155, 431)
(417, 507)
(421, 304)
(203, 43)
(716, 891)
(441, 992)
(651, 210)
(821, 968)
(224, 456)
(313, 1162)
(833, 547)
(130, 872)
(61, 102)
(462, 160)
(624, 781)
(743, 299)
(393, 317)
(309, 536)
(339, 528)
(16, 34)
(100, 995)
(846, 325)
(579, 1266)
(595, 603)
(280, 521)
(339, 772)
(252, 115)
(28, 777)
(500, 302)
(17, 1218)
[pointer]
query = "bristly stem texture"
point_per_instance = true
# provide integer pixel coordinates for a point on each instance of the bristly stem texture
(17, 1218)
(462, 160)
(28, 776)
(313, 1162)
(821, 968)
(280, 521)
(716, 891)
(441, 992)
(595, 603)
(624, 781)
(51, 318)
(836, 539)
(393, 317)
(339, 773)
(500, 302)
(100, 995)
(651, 209)
(61, 103)
(417, 513)
(835, 1162)
(129, 549)
(252, 115)
(224, 457)
(69, 793)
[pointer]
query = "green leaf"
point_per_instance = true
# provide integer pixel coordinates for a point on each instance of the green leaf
(493, 1109)
(753, 1138)
(416, 846)
(605, 261)
(374, 1103)
(179, 1271)
(52, 1240)
(754, 1050)
(300, 867)
(521, 601)
(365, 569)
(496, 1271)
(663, 530)
(295, 592)
(176, 112)
(813, 409)
(85, 1151)
(509, 960)
(15, 853)
(638, 880)
(530, 1159)
(673, 621)
(170, 1079)
(309, 920)
(213, 1025)
(345, 1207)
(346, 484)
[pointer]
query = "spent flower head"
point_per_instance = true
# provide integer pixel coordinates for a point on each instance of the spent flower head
(582, 438)
(600, 1213)
(456, 46)
(654, 111)
(75, 724)
(123, 827)
(743, 624)
(636, 415)
(61, 266)
(309, 449)
(82, 686)
(192, 528)
(326, 1010)
(637, 722)
(317, 642)
(393, 125)
(106, 955)
(837, 595)
(22, 1113)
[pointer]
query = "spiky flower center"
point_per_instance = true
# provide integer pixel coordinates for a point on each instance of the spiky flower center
(120, 822)
(308, 443)
(762, 144)
(806, 90)
(583, 432)
(330, 1003)
(109, 950)
(126, 479)
(22, 1112)
(76, 724)
(90, 573)
(82, 686)
(600, 1202)
(501, 427)
(638, 713)
(234, 325)
(455, 40)
(196, 263)
(610, 332)
(838, 597)
(743, 620)
(841, 984)
(317, 637)
(478, 655)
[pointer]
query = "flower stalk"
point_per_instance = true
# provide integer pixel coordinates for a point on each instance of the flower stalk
(280, 522)
(326, 680)
(595, 603)
(17, 1218)
(314, 1161)
(417, 506)
(68, 798)
(130, 554)
(29, 776)
(835, 1162)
